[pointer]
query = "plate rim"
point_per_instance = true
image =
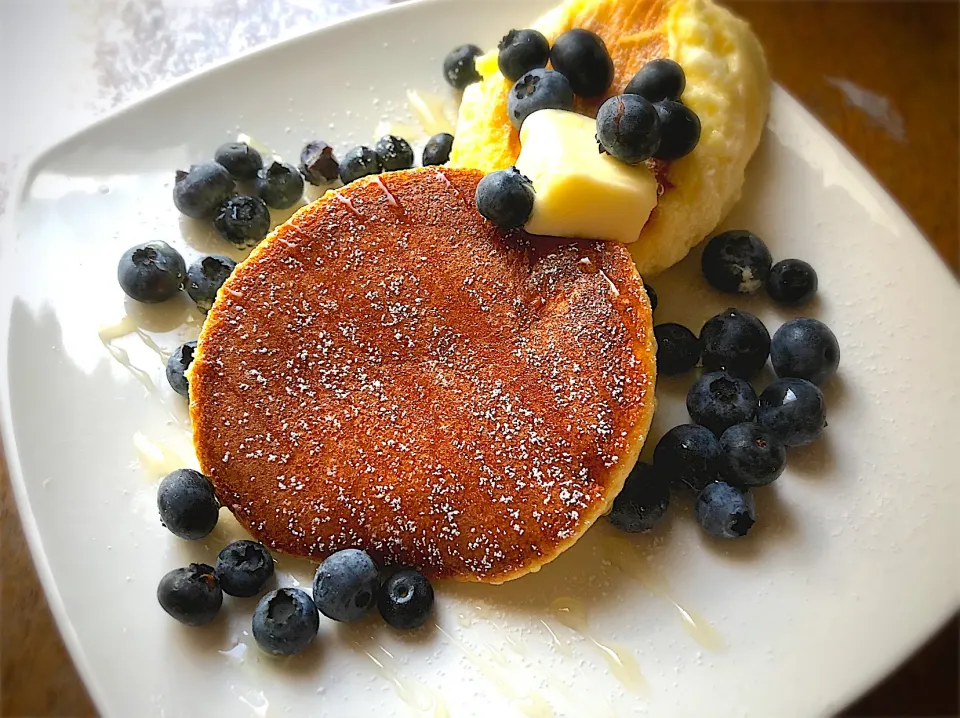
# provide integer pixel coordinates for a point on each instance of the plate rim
(8, 445)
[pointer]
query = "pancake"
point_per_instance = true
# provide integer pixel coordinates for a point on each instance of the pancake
(389, 371)
(728, 86)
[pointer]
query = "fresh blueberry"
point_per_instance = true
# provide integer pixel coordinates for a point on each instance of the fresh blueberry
(187, 504)
(177, 366)
(678, 349)
(522, 51)
(752, 455)
(792, 282)
(460, 66)
(805, 349)
(505, 198)
(345, 587)
(151, 272)
(285, 622)
(244, 567)
(628, 128)
(239, 159)
(538, 90)
(724, 511)
(200, 191)
(643, 501)
(406, 599)
(318, 164)
(659, 79)
(359, 162)
(191, 594)
(736, 261)
(582, 57)
(652, 296)
(688, 455)
(280, 185)
(243, 221)
(205, 277)
(395, 153)
(437, 150)
(679, 130)
(735, 341)
(794, 410)
(718, 400)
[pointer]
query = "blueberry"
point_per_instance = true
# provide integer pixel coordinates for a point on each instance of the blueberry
(406, 599)
(679, 130)
(244, 567)
(187, 504)
(805, 349)
(437, 150)
(239, 159)
(678, 349)
(522, 51)
(643, 501)
(200, 191)
(345, 587)
(191, 594)
(736, 261)
(177, 366)
(505, 198)
(285, 622)
(205, 277)
(538, 90)
(659, 79)
(688, 455)
(280, 185)
(794, 410)
(395, 153)
(718, 400)
(628, 128)
(243, 221)
(652, 296)
(582, 57)
(359, 162)
(460, 66)
(735, 341)
(724, 511)
(151, 272)
(792, 282)
(318, 164)
(752, 455)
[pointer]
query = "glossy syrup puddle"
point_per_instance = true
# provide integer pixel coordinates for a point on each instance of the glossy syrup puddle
(572, 613)
(625, 556)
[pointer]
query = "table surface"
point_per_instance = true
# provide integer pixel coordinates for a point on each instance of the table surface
(882, 76)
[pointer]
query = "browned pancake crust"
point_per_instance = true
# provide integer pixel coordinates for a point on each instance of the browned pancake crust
(390, 371)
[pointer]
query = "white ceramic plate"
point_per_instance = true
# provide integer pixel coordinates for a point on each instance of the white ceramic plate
(851, 567)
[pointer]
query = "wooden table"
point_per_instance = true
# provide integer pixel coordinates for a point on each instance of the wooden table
(884, 78)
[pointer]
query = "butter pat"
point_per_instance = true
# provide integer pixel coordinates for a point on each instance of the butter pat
(581, 193)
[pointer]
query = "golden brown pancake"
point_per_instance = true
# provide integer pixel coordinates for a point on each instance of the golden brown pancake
(389, 371)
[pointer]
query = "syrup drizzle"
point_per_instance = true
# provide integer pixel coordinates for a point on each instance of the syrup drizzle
(625, 557)
(125, 327)
(573, 614)
(424, 702)
(496, 671)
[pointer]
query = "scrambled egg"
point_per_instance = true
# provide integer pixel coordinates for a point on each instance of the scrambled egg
(728, 86)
